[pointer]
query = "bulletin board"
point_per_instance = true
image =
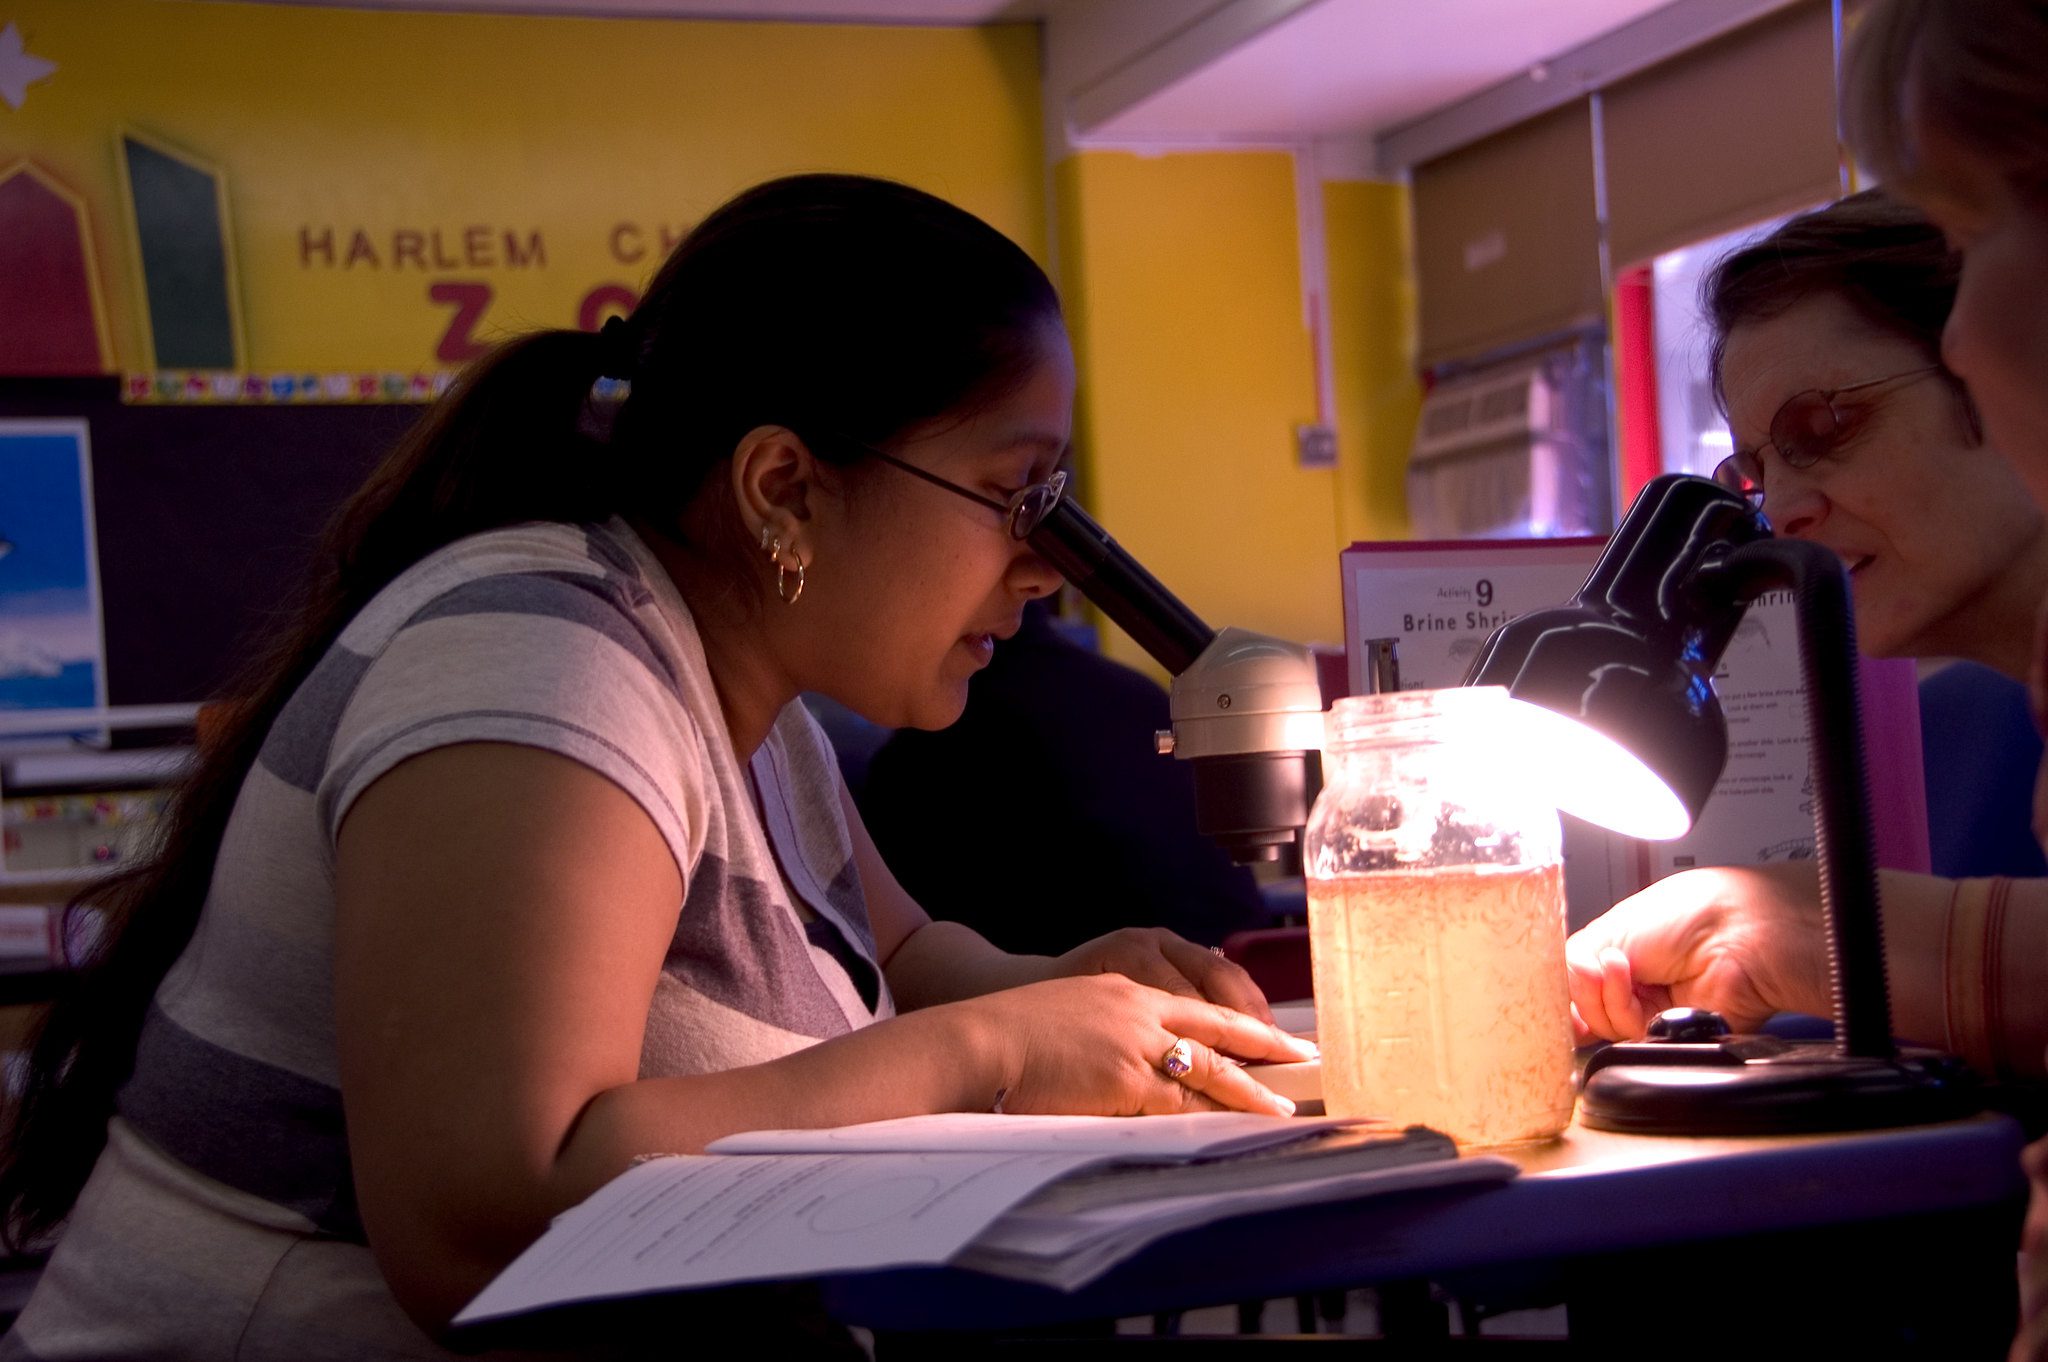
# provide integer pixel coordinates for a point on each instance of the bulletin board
(205, 518)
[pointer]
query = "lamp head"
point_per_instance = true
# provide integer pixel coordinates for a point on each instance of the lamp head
(1623, 673)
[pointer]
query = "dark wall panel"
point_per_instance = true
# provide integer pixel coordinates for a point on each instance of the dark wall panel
(206, 519)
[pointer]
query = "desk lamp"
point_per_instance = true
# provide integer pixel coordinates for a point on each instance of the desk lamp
(1634, 740)
(1630, 661)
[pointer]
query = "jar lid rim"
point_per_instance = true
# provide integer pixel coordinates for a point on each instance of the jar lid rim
(1407, 704)
(1418, 713)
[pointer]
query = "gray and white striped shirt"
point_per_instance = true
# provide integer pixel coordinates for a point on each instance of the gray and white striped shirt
(221, 1221)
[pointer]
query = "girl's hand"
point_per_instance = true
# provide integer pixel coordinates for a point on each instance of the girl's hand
(1096, 1045)
(1155, 956)
(1744, 942)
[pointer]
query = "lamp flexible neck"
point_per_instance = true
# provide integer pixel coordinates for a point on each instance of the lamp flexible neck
(1851, 911)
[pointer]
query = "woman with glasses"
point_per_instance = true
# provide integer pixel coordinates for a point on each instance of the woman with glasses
(1849, 431)
(1945, 101)
(1827, 336)
(520, 853)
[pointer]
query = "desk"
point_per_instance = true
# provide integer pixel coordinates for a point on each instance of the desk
(1889, 1238)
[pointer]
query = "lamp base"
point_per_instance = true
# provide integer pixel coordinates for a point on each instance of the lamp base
(1761, 1085)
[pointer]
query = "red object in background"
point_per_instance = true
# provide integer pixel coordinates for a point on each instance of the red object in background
(1277, 958)
(1635, 381)
(606, 300)
(45, 281)
(1333, 672)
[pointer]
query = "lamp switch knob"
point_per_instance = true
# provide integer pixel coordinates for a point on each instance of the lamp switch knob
(1162, 742)
(1688, 1025)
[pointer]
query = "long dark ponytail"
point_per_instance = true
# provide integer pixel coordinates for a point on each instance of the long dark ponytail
(820, 302)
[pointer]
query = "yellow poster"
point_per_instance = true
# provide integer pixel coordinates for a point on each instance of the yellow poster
(239, 191)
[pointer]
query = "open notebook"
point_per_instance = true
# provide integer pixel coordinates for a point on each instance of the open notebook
(1054, 1200)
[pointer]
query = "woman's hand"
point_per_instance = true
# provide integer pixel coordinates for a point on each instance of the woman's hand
(1155, 956)
(1744, 942)
(2032, 1343)
(1095, 1045)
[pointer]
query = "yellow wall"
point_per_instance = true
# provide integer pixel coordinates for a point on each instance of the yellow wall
(1181, 272)
(339, 120)
(1372, 323)
(1183, 284)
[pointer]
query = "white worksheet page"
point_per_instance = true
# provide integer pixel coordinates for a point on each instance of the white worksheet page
(691, 1221)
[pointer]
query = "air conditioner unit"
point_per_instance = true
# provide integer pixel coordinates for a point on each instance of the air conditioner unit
(1468, 414)
(1514, 451)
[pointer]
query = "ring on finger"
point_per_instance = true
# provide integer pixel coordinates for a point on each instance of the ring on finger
(1179, 1059)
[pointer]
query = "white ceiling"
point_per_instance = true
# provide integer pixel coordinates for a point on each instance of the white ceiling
(1345, 67)
(941, 12)
(1331, 68)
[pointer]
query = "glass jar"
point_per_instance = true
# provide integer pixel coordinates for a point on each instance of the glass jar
(1436, 921)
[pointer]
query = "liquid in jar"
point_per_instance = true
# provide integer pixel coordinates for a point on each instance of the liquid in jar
(1441, 999)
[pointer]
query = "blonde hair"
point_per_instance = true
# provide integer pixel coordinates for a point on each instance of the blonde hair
(1972, 68)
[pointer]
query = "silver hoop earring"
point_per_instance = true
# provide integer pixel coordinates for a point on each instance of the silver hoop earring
(782, 573)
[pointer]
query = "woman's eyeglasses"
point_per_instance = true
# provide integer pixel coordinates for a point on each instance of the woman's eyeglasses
(1807, 428)
(1024, 512)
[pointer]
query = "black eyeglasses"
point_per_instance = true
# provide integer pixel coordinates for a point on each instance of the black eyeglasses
(1807, 427)
(1026, 509)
